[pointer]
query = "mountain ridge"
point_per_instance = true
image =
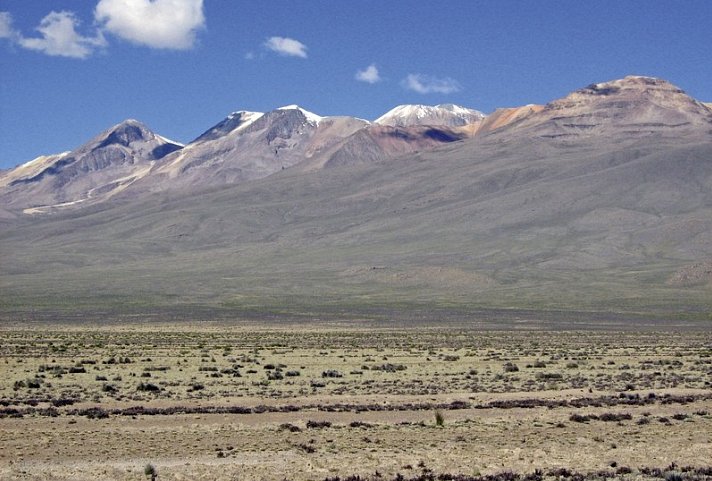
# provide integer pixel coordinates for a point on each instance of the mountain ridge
(569, 117)
(526, 210)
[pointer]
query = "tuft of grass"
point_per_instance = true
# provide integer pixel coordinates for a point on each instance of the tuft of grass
(439, 418)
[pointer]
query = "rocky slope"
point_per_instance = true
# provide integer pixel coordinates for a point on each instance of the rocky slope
(99, 169)
(630, 107)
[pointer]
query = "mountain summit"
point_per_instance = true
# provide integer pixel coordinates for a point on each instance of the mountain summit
(103, 166)
(448, 115)
(634, 106)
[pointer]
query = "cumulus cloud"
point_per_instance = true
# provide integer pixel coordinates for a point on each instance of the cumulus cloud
(60, 37)
(163, 24)
(425, 84)
(369, 75)
(6, 30)
(286, 46)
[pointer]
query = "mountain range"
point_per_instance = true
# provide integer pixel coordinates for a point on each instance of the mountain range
(244, 146)
(600, 201)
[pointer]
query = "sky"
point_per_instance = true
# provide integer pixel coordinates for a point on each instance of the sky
(70, 69)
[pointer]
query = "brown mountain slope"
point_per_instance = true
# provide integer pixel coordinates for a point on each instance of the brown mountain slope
(629, 107)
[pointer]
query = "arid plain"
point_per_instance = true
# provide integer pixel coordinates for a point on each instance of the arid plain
(228, 402)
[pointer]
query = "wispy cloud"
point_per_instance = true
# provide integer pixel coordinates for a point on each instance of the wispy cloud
(59, 37)
(425, 84)
(286, 46)
(161, 24)
(6, 30)
(369, 74)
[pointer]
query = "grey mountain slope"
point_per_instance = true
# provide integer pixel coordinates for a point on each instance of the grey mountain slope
(505, 220)
(376, 143)
(242, 147)
(100, 168)
(233, 152)
(527, 224)
(247, 146)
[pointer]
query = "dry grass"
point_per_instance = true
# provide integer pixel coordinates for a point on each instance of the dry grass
(317, 403)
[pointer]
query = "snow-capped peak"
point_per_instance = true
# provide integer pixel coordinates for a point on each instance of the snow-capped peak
(246, 118)
(444, 114)
(311, 117)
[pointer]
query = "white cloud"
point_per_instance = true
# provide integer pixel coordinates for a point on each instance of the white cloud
(286, 46)
(6, 30)
(425, 84)
(369, 75)
(166, 24)
(60, 37)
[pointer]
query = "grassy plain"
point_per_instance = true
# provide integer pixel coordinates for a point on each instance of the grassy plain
(227, 402)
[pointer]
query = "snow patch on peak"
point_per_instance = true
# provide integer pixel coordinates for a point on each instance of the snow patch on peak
(247, 118)
(416, 114)
(169, 141)
(42, 158)
(245, 114)
(459, 110)
(311, 117)
(128, 122)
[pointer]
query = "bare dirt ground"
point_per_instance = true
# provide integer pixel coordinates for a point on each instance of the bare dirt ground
(230, 403)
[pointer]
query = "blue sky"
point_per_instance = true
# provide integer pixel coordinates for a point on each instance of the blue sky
(72, 68)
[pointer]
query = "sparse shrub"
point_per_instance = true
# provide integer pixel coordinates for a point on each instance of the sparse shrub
(439, 418)
(388, 367)
(360, 424)
(673, 476)
(318, 424)
(579, 418)
(331, 373)
(150, 471)
(95, 413)
(615, 417)
(510, 367)
(307, 448)
(289, 427)
(148, 387)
